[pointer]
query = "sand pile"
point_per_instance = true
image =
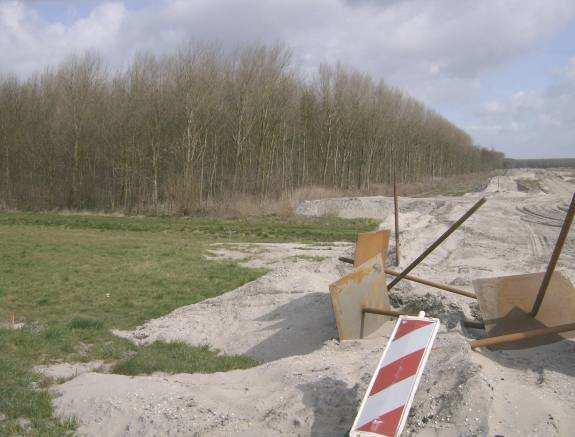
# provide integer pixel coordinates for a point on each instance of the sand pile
(309, 383)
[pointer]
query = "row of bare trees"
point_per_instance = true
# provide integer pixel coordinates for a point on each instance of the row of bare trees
(202, 124)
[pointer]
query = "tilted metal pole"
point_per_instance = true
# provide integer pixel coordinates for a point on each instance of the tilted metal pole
(432, 284)
(391, 313)
(396, 212)
(367, 310)
(475, 324)
(518, 336)
(437, 242)
(420, 280)
(554, 257)
(345, 259)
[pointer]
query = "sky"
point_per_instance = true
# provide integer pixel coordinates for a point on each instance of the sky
(502, 70)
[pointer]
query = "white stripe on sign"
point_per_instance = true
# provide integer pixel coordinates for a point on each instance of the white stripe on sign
(407, 344)
(386, 404)
(386, 400)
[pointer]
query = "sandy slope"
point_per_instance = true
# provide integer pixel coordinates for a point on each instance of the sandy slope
(312, 384)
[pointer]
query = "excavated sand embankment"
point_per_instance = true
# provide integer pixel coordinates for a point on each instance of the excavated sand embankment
(309, 383)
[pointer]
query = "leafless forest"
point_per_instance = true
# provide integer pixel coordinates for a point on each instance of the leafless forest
(200, 125)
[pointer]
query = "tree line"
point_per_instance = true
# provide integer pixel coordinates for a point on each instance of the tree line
(171, 132)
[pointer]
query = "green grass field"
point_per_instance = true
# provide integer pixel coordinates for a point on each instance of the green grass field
(72, 278)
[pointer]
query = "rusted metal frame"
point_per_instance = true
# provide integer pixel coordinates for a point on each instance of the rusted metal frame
(518, 336)
(396, 213)
(554, 257)
(421, 281)
(437, 242)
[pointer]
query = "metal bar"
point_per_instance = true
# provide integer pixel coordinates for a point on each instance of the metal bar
(378, 311)
(432, 284)
(437, 242)
(473, 324)
(367, 310)
(518, 336)
(396, 212)
(346, 260)
(554, 257)
(381, 312)
(421, 281)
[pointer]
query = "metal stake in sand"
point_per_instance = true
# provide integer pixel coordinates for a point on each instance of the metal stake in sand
(378, 311)
(420, 280)
(437, 242)
(554, 257)
(396, 212)
(518, 336)
(432, 284)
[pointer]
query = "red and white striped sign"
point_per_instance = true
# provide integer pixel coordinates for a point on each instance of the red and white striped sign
(386, 404)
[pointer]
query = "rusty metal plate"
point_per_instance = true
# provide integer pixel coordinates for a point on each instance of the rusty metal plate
(506, 301)
(371, 244)
(364, 287)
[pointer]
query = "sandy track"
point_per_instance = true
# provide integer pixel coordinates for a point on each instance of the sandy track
(311, 384)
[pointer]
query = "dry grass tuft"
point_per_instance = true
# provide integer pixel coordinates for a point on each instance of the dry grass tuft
(245, 205)
(235, 206)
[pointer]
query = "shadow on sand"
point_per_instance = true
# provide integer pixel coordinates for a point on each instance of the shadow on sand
(550, 352)
(554, 357)
(334, 405)
(299, 327)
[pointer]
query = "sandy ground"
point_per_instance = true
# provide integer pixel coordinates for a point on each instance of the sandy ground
(309, 383)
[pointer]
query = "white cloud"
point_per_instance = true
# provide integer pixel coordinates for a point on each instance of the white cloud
(459, 38)
(531, 123)
(570, 70)
(29, 44)
(437, 50)
(494, 107)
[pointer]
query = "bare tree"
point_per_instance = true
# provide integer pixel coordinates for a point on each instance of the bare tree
(171, 133)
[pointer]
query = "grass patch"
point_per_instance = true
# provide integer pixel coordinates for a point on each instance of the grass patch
(180, 358)
(80, 323)
(19, 393)
(71, 279)
(252, 229)
(120, 279)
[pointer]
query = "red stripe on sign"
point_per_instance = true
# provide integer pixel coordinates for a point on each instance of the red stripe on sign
(384, 425)
(397, 371)
(407, 326)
